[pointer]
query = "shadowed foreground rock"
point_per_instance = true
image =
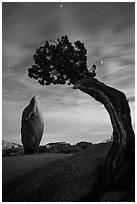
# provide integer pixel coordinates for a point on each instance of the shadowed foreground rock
(32, 126)
(119, 165)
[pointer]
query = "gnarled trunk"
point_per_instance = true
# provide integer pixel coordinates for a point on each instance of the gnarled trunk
(118, 169)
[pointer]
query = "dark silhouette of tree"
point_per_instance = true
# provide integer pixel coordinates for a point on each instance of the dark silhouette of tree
(64, 63)
(60, 63)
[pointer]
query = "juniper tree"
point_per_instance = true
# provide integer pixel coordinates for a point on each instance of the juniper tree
(60, 63)
(66, 63)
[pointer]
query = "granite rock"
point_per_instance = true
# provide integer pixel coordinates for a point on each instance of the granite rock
(32, 126)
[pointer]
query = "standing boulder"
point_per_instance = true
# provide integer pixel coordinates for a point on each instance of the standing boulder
(32, 126)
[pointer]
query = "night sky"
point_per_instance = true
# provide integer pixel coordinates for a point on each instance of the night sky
(108, 32)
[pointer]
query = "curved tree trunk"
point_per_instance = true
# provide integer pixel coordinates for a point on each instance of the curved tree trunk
(118, 169)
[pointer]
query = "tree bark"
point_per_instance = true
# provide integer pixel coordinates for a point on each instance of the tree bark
(119, 164)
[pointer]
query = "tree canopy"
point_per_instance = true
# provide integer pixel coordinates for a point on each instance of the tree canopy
(60, 62)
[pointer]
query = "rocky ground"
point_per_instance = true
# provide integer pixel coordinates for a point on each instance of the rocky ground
(50, 177)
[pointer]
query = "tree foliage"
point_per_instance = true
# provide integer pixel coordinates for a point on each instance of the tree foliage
(60, 63)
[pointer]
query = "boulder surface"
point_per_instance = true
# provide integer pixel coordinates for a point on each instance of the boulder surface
(32, 126)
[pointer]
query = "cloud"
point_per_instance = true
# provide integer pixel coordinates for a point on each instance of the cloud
(118, 54)
(14, 55)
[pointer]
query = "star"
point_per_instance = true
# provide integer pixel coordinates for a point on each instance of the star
(61, 5)
(102, 62)
(8, 65)
(9, 17)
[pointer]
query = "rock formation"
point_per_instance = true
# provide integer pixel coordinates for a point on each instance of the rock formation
(32, 126)
(119, 165)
